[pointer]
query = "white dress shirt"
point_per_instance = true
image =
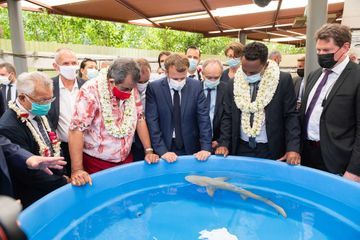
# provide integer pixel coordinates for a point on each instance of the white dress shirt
(67, 103)
(212, 104)
(313, 130)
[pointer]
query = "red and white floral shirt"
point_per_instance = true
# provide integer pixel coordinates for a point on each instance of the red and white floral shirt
(89, 118)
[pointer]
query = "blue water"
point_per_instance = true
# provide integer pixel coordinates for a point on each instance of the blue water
(169, 208)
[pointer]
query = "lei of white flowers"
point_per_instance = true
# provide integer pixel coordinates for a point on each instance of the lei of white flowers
(43, 148)
(128, 125)
(267, 87)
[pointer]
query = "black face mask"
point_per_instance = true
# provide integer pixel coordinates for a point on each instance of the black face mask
(300, 72)
(327, 60)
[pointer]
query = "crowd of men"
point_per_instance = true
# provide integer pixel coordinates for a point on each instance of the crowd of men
(100, 119)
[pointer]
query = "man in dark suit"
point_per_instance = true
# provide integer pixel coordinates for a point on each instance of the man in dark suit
(214, 92)
(298, 81)
(7, 83)
(176, 113)
(330, 111)
(260, 119)
(193, 54)
(18, 158)
(23, 124)
(66, 88)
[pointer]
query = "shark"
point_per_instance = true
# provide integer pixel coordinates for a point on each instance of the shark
(212, 184)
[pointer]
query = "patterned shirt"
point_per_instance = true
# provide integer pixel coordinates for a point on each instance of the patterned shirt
(88, 118)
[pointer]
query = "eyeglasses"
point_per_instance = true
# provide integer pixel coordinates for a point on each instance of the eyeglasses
(46, 101)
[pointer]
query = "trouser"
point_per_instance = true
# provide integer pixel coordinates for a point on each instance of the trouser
(66, 154)
(260, 151)
(311, 155)
(92, 164)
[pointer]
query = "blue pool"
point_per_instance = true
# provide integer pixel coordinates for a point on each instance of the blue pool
(141, 201)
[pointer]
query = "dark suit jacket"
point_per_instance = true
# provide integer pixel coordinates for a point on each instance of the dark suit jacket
(297, 85)
(54, 112)
(281, 119)
(219, 109)
(2, 104)
(195, 120)
(339, 121)
(29, 185)
(12, 155)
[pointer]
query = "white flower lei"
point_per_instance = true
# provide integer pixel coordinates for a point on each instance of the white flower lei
(43, 148)
(127, 126)
(267, 87)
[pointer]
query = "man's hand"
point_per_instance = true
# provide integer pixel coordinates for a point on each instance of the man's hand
(150, 158)
(80, 177)
(44, 163)
(68, 180)
(169, 157)
(351, 177)
(292, 158)
(202, 155)
(222, 151)
(214, 144)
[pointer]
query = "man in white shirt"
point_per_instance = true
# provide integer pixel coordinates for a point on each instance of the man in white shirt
(66, 88)
(330, 111)
(8, 83)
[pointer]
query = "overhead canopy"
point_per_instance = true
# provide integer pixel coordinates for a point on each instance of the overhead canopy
(280, 21)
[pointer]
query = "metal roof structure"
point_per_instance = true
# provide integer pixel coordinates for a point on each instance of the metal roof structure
(280, 21)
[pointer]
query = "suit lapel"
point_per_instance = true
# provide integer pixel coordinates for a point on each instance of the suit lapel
(308, 87)
(218, 102)
(3, 89)
(57, 95)
(184, 97)
(337, 84)
(166, 90)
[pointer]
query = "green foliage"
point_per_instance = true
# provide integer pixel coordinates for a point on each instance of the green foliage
(63, 29)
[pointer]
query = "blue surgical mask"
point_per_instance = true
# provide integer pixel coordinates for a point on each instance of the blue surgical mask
(193, 64)
(211, 84)
(253, 78)
(40, 109)
(92, 73)
(233, 62)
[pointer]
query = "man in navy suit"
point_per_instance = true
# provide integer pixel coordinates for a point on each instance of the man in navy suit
(177, 114)
(15, 157)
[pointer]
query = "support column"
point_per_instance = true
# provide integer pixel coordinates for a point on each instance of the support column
(242, 38)
(17, 35)
(316, 17)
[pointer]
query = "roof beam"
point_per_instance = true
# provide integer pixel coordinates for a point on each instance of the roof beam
(138, 12)
(43, 5)
(206, 6)
(277, 13)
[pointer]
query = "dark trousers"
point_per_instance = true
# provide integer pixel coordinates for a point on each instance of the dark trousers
(137, 149)
(260, 151)
(174, 149)
(311, 155)
(66, 154)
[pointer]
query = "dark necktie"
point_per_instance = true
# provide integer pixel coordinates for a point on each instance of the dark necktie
(315, 99)
(253, 90)
(44, 133)
(8, 95)
(177, 120)
(208, 98)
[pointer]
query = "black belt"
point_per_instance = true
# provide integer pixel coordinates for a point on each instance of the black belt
(313, 143)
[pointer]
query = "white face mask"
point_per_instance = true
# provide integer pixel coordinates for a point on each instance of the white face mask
(211, 84)
(253, 78)
(68, 72)
(92, 73)
(162, 65)
(177, 85)
(142, 86)
(4, 80)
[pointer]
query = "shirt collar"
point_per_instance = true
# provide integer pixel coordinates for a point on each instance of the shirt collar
(338, 69)
(61, 85)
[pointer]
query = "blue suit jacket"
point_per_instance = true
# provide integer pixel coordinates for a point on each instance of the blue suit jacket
(195, 120)
(12, 155)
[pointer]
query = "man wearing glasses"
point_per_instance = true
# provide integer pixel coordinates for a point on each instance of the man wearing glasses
(25, 123)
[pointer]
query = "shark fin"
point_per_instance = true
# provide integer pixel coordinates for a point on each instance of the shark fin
(210, 191)
(243, 196)
(222, 179)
